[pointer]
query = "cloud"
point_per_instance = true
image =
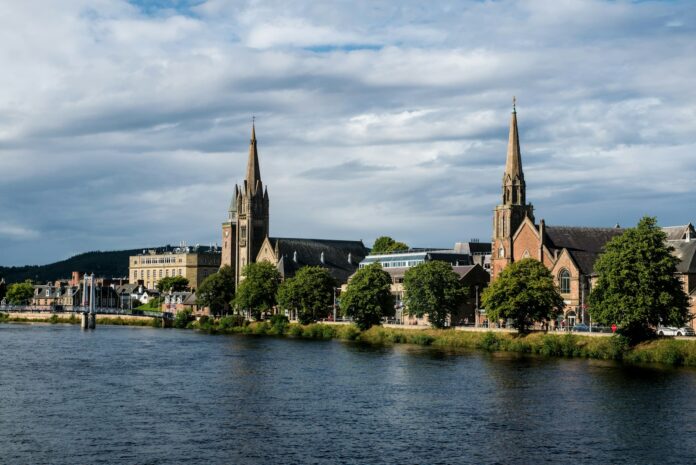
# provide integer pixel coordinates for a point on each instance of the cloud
(126, 124)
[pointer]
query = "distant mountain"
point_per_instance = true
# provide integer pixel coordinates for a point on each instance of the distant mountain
(111, 264)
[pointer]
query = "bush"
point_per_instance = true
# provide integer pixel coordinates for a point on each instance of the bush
(232, 321)
(489, 342)
(182, 319)
(54, 319)
(279, 323)
(347, 332)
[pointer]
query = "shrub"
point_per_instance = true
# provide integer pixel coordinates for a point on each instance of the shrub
(278, 324)
(347, 332)
(182, 319)
(54, 319)
(232, 321)
(489, 342)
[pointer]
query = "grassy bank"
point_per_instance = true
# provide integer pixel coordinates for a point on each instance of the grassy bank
(665, 350)
(76, 319)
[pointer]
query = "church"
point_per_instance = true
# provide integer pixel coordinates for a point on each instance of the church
(569, 252)
(245, 234)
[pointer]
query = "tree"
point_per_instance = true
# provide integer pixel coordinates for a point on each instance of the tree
(217, 291)
(368, 297)
(433, 288)
(310, 292)
(385, 244)
(172, 283)
(20, 293)
(257, 292)
(637, 288)
(525, 292)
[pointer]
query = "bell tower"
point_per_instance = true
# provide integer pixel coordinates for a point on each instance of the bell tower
(509, 215)
(248, 222)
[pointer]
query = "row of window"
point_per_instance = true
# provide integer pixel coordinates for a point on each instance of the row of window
(157, 260)
(154, 273)
(397, 264)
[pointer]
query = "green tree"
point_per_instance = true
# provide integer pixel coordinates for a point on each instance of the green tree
(257, 291)
(525, 292)
(385, 244)
(172, 283)
(637, 288)
(433, 288)
(368, 297)
(20, 293)
(217, 291)
(310, 292)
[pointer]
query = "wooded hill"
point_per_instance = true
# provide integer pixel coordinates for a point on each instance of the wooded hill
(110, 264)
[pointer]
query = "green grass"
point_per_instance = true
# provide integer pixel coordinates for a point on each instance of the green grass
(664, 351)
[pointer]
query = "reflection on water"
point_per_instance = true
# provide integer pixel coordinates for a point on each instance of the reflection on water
(140, 395)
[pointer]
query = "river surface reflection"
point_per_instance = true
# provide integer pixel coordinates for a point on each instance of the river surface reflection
(149, 396)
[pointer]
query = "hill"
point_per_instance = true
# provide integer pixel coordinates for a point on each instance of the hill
(107, 264)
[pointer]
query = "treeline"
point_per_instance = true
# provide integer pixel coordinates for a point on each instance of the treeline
(108, 264)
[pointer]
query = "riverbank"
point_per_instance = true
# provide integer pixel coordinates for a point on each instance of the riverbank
(669, 351)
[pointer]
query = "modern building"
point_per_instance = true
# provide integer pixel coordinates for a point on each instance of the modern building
(245, 234)
(193, 263)
(471, 274)
(569, 252)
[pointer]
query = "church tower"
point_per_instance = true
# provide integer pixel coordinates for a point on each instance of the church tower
(247, 225)
(508, 216)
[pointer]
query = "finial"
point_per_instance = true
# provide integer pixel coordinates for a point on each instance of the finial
(514, 101)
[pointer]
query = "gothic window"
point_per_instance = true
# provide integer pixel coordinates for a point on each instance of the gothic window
(501, 252)
(525, 254)
(564, 281)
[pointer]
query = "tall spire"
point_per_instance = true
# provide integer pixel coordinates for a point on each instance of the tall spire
(513, 165)
(253, 171)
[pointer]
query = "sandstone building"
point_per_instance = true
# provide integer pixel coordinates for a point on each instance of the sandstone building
(569, 252)
(193, 263)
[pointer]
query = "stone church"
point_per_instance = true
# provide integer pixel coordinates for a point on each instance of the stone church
(245, 234)
(569, 252)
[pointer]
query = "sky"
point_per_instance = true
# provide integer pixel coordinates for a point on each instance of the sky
(126, 124)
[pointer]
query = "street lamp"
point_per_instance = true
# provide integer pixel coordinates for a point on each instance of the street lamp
(476, 310)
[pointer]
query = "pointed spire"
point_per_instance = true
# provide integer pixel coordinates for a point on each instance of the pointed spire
(513, 164)
(253, 175)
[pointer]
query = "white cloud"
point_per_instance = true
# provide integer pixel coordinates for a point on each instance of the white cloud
(125, 128)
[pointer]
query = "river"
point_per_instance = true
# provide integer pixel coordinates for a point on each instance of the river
(152, 396)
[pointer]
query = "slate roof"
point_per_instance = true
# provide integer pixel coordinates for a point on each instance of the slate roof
(677, 233)
(308, 253)
(686, 252)
(583, 244)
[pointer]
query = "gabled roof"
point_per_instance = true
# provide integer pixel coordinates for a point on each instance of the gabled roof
(686, 253)
(295, 253)
(678, 233)
(583, 244)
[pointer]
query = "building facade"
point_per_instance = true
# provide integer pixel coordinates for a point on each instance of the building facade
(569, 252)
(193, 263)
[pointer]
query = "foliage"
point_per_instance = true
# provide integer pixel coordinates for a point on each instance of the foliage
(279, 323)
(217, 291)
(525, 292)
(257, 292)
(368, 297)
(637, 288)
(384, 244)
(20, 293)
(232, 321)
(310, 292)
(153, 305)
(172, 283)
(182, 318)
(433, 288)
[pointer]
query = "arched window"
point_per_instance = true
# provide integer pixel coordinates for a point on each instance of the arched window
(564, 281)
(501, 252)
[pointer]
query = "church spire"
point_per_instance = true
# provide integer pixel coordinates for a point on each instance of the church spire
(253, 171)
(513, 165)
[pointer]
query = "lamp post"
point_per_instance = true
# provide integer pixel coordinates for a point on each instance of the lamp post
(476, 310)
(334, 302)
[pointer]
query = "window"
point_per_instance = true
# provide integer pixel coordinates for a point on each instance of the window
(501, 252)
(564, 281)
(160, 273)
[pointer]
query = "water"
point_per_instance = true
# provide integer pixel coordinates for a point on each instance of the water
(149, 396)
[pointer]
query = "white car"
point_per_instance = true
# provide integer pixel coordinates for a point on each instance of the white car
(672, 331)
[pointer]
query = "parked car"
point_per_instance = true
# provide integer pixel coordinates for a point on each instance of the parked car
(580, 328)
(673, 331)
